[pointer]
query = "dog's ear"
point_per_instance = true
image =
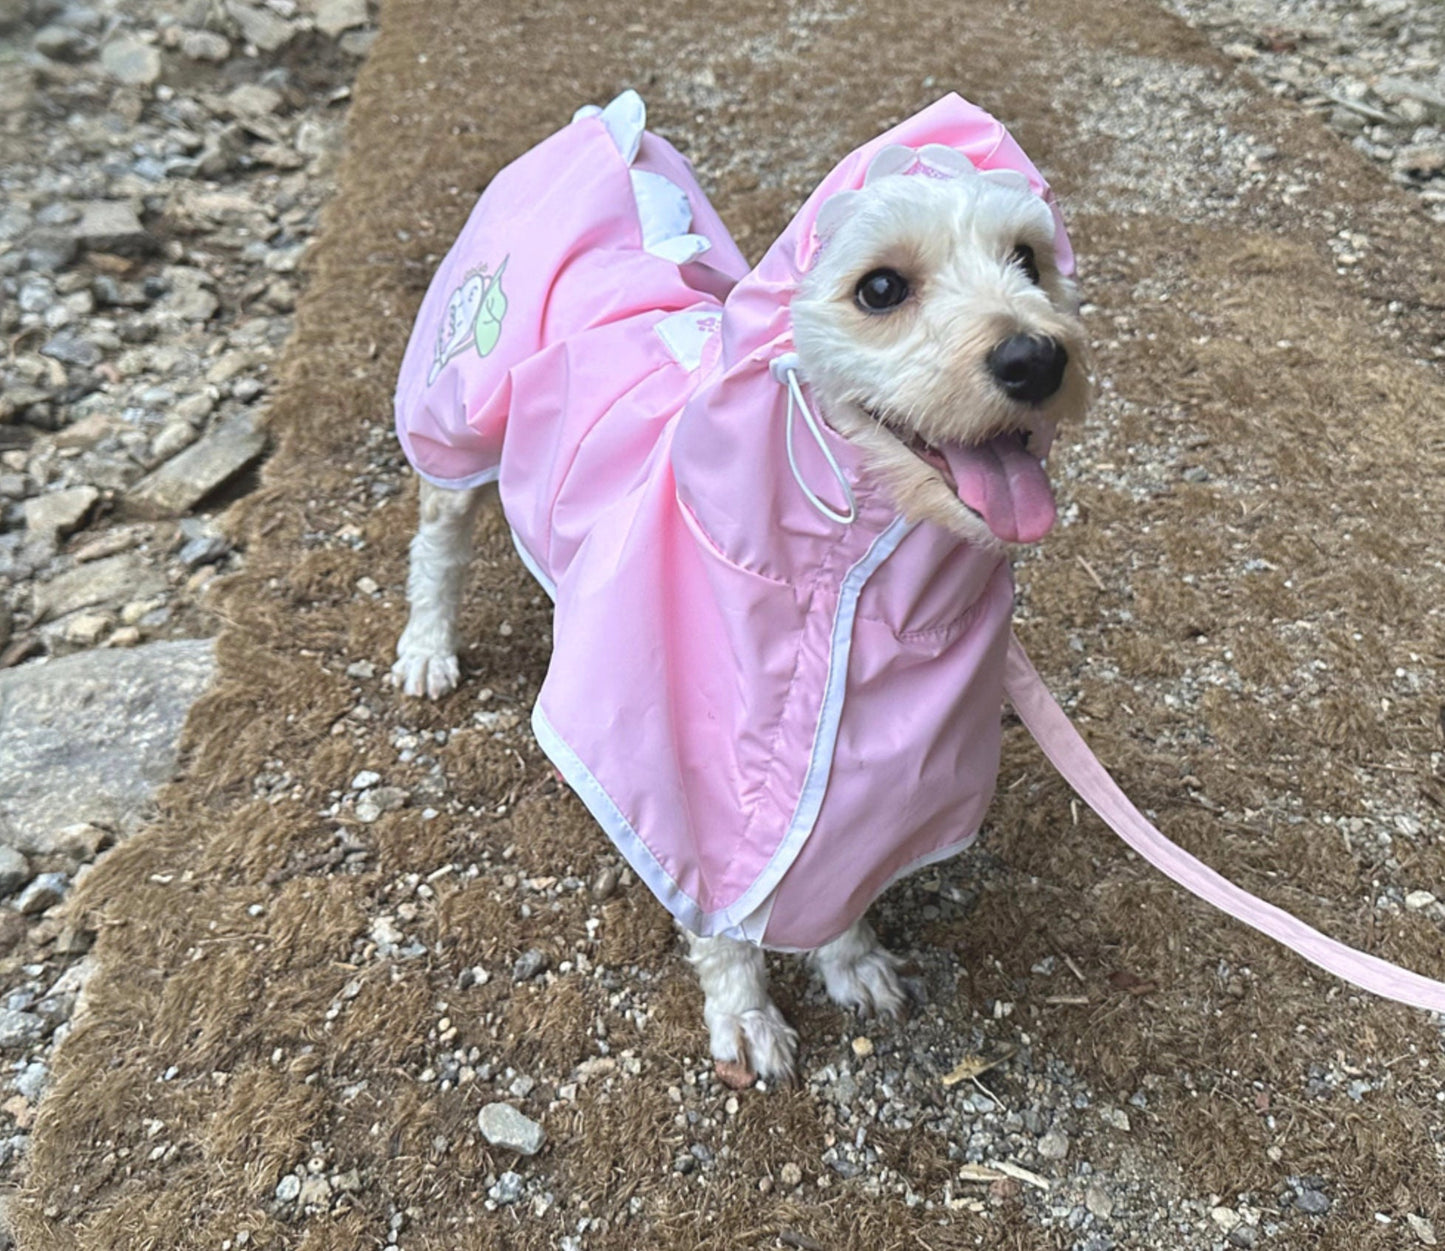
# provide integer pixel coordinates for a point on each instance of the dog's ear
(894, 159)
(835, 211)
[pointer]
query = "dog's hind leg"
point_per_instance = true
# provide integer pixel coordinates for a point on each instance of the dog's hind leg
(426, 653)
(744, 1025)
(860, 973)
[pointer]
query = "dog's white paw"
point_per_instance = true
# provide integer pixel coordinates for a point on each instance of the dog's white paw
(869, 984)
(759, 1040)
(426, 664)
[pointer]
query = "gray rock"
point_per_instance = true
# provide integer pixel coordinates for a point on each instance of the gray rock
(43, 893)
(59, 512)
(61, 43)
(260, 27)
(503, 1126)
(508, 1188)
(185, 480)
(1313, 1202)
(131, 61)
(50, 250)
(253, 100)
(288, 1189)
(72, 350)
(335, 16)
(20, 1028)
(32, 1079)
(14, 870)
(112, 226)
(528, 965)
(125, 576)
(88, 738)
(1054, 1145)
(205, 45)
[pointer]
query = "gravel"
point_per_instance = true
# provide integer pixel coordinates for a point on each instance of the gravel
(162, 168)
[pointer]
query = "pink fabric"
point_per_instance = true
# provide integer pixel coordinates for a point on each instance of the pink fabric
(773, 714)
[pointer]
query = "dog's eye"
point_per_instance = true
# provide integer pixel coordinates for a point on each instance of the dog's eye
(880, 290)
(1023, 257)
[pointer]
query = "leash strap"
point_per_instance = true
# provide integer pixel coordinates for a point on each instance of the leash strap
(1070, 755)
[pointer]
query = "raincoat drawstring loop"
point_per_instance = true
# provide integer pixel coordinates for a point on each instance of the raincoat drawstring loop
(785, 371)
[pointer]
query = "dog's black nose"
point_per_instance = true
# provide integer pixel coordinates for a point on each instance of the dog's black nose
(1029, 368)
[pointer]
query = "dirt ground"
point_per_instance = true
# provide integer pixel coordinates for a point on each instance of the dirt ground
(1243, 611)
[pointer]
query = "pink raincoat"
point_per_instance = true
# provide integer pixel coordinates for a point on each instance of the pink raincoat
(774, 713)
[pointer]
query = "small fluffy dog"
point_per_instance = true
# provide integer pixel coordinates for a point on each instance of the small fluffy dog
(919, 325)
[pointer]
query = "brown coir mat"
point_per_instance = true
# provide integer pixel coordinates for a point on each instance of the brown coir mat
(1243, 609)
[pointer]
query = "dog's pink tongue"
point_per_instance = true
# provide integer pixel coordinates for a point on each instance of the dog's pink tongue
(1005, 485)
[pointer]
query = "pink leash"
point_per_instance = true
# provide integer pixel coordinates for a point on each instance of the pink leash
(1061, 743)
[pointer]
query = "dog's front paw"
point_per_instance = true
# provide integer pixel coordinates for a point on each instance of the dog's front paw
(425, 666)
(870, 984)
(759, 1041)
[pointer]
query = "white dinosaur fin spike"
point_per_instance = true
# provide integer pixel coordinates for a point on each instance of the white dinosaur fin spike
(942, 159)
(893, 159)
(1009, 178)
(626, 119)
(834, 212)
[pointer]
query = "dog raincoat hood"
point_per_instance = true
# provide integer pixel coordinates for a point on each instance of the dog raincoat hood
(773, 693)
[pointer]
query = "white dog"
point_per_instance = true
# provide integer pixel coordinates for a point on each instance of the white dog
(939, 337)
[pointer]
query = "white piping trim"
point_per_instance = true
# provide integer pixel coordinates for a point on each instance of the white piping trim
(825, 737)
(748, 917)
(609, 816)
(480, 478)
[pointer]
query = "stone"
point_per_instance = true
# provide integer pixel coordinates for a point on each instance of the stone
(529, 964)
(253, 100)
(314, 1192)
(60, 512)
(790, 1175)
(100, 582)
(86, 629)
(20, 1028)
(508, 1188)
(1313, 1202)
(31, 1081)
(1420, 1227)
(14, 870)
(175, 436)
(335, 16)
(862, 1046)
(72, 350)
(503, 1126)
(205, 45)
(373, 803)
(43, 893)
(131, 61)
(258, 26)
(288, 1189)
(1098, 1201)
(229, 448)
(89, 737)
(1054, 1145)
(112, 226)
(1418, 899)
(61, 43)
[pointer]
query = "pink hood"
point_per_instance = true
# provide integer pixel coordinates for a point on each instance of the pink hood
(772, 712)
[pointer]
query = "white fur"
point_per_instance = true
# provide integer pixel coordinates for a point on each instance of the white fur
(880, 380)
